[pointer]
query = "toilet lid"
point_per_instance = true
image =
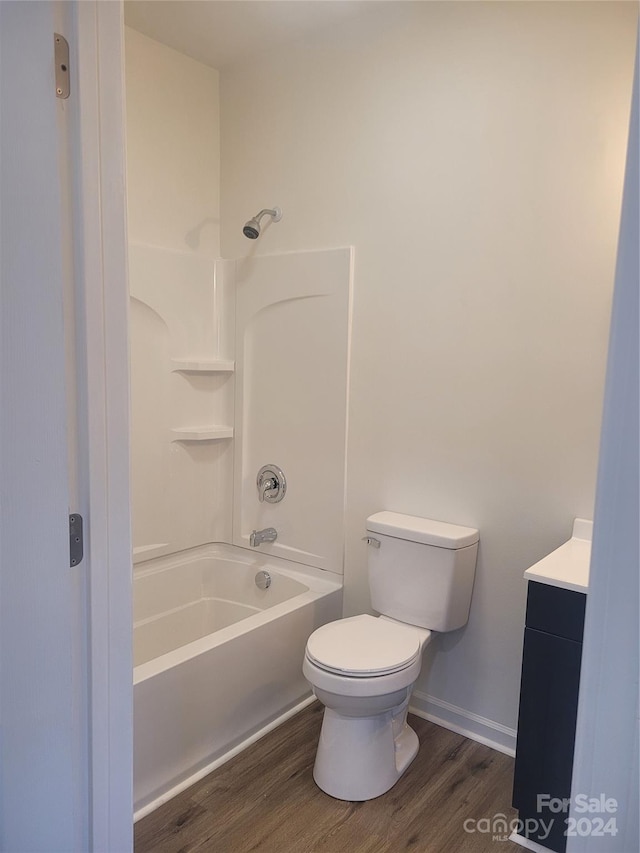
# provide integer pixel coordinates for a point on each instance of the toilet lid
(363, 646)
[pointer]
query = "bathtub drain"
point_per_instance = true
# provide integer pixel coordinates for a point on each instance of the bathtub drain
(263, 580)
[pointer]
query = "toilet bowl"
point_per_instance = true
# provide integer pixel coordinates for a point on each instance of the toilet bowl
(363, 668)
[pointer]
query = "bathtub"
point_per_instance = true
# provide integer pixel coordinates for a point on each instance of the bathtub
(217, 661)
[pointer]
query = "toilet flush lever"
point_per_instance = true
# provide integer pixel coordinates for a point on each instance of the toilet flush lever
(371, 540)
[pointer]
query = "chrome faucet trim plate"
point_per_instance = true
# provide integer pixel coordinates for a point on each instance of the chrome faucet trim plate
(271, 484)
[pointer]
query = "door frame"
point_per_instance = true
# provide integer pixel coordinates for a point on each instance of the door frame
(608, 728)
(103, 403)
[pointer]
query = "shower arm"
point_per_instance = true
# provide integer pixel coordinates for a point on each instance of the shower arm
(275, 214)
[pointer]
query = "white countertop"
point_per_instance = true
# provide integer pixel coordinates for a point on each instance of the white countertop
(567, 566)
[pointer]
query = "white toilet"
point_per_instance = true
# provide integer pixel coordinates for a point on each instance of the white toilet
(363, 668)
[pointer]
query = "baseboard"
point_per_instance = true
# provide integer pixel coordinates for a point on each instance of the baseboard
(528, 845)
(204, 771)
(464, 722)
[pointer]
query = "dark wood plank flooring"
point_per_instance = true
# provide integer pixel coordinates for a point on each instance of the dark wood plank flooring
(265, 799)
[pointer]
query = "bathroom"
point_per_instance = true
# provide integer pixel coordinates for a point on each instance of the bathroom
(458, 168)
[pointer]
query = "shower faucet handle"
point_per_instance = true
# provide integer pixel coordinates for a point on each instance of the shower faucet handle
(271, 483)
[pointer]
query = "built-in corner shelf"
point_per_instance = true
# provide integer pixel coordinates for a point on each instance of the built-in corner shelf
(202, 365)
(207, 433)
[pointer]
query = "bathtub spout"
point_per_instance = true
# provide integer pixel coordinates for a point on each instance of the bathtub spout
(269, 534)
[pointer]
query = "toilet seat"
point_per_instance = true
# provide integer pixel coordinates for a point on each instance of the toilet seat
(364, 647)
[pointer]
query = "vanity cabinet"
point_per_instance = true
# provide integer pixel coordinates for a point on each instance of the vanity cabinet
(548, 708)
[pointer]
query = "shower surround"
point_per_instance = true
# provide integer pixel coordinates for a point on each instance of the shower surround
(235, 365)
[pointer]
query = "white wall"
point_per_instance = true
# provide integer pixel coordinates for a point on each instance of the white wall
(473, 156)
(173, 148)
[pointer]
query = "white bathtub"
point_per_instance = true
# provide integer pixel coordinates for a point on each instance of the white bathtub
(217, 660)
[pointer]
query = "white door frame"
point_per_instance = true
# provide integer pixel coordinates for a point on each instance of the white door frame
(43, 702)
(65, 667)
(101, 232)
(607, 734)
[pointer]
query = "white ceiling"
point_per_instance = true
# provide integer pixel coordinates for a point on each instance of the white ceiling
(221, 32)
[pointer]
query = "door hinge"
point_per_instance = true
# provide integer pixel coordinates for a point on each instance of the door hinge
(61, 56)
(76, 544)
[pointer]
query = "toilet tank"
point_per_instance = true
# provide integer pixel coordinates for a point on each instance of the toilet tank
(421, 571)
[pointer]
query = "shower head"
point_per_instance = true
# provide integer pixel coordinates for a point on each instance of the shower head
(252, 227)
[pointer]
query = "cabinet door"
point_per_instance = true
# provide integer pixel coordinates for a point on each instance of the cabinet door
(546, 729)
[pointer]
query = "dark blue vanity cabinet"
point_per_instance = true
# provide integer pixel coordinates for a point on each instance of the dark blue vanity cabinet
(548, 709)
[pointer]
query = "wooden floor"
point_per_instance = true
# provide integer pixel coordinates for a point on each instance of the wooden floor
(265, 799)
